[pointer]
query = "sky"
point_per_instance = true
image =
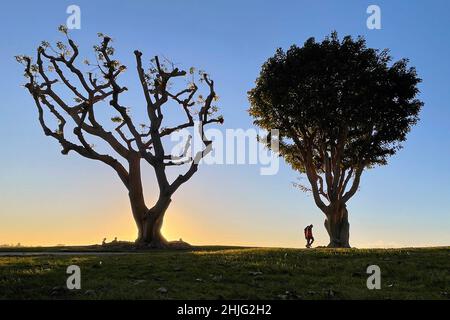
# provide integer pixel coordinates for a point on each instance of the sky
(47, 198)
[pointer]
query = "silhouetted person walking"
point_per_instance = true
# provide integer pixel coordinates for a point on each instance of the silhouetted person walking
(309, 236)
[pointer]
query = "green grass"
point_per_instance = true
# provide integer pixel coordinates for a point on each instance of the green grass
(232, 273)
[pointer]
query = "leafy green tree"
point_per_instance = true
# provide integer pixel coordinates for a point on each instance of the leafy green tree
(341, 108)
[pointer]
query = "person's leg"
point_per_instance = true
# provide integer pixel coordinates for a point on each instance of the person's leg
(312, 240)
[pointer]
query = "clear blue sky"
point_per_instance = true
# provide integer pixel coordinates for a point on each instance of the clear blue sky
(46, 198)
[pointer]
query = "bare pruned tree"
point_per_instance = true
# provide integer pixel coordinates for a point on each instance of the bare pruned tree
(131, 144)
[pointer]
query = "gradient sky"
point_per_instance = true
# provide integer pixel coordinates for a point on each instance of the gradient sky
(48, 199)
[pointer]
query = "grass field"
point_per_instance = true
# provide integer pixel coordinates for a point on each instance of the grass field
(231, 273)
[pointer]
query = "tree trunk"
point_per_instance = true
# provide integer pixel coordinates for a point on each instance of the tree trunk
(338, 228)
(152, 223)
(148, 221)
(136, 195)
